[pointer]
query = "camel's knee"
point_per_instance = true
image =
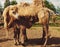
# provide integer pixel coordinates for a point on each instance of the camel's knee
(5, 24)
(16, 33)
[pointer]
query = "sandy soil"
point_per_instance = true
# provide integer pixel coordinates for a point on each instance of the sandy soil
(34, 35)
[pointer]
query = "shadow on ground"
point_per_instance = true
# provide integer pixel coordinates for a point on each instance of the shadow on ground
(39, 41)
(4, 40)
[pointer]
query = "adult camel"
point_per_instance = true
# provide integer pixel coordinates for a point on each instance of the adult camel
(30, 12)
(21, 23)
(41, 12)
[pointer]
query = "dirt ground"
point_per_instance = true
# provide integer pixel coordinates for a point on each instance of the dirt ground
(34, 35)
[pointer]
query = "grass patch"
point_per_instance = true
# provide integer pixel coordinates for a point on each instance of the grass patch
(58, 17)
(39, 25)
(36, 25)
(50, 24)
(55, 25)
(58, 29)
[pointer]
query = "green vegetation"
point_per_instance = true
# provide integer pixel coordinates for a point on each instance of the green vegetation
(1, 9)
(7, 3)
(58, 17)
(50, 24)
(58, 10)
(50, 5)
(58, 29)
(13, 2)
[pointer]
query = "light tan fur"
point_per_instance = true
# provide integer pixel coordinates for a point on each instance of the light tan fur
(29, 11)
(8, 17)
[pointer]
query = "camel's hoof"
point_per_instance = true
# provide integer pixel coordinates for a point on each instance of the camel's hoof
(26, 40)
(23, 44)
(19, 43)
(43, 46)
(16, 44)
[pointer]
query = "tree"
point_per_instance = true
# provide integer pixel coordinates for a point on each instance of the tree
(58, 10)
(50, 5)
(1, 9)
(7, 3)
(13, 2)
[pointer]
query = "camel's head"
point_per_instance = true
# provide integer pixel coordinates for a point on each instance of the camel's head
(13, 8)
(13, 11)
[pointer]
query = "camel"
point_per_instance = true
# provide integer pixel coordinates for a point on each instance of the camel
(30, 12)
(22, 21)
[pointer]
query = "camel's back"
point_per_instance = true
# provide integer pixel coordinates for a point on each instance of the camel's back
(27, 10)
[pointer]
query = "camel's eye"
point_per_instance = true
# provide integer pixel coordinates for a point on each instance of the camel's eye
(14, 12)
(11, 9)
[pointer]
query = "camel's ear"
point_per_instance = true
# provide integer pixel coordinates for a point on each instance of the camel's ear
(5, 12)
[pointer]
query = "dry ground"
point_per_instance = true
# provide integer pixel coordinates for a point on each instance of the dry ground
(34, 35)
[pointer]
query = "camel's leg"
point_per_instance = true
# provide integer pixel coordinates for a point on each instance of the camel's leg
(22, 34)
(45, 27)
(6, 27)
(6, 30)
(15, 38)
(10, 22)
(7, 33)
(16, 34)
(26, 39)
(45, 24)
(45, 33)
(17, 28)
(18, 37)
